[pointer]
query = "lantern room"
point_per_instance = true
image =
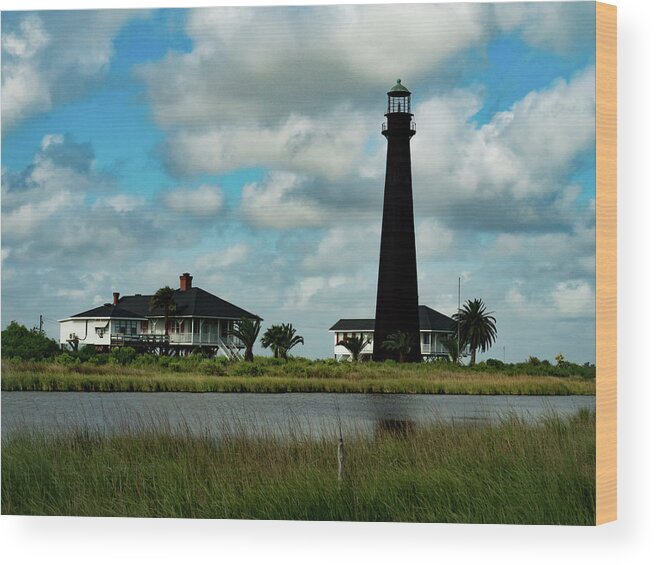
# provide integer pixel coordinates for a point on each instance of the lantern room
(398, 99)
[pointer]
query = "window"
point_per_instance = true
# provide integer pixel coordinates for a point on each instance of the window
(176, 327)
(427, 338)
(125, 327)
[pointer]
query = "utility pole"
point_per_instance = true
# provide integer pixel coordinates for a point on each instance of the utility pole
(40, 323)
(457, 310)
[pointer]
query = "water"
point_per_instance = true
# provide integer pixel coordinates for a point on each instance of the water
(222, 414)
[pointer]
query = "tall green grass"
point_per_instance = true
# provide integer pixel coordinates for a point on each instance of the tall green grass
(514, 472)
(272, 376)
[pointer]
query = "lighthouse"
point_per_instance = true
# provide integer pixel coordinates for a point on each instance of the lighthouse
(397, 304)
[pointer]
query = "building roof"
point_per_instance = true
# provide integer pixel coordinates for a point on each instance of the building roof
(354, 324)
(398, 89)
(429, 320)
(192, 302)
(433, 320)
(109, 311)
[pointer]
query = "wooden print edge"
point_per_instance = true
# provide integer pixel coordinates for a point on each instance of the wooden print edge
(606, 262)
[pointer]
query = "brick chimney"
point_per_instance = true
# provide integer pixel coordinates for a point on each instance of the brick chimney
(185, 281)
(116, 295)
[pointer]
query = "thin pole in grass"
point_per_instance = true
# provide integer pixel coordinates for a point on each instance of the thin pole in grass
(340, 448)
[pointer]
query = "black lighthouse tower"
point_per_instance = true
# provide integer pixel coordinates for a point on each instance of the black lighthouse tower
(397, 305)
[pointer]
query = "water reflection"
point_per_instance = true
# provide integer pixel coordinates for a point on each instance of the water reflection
(287, 415)
(394, 428)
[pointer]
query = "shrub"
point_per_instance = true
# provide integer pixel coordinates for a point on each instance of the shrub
(496, 363)
(30, 345)
(244, 369)
(67, 359)
(86, 353)
(146, 360)
(187, 364)
(99, 359)
(213, 367)
(123, 355)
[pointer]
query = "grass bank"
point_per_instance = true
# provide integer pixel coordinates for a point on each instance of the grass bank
(294, 376)
(508, 473)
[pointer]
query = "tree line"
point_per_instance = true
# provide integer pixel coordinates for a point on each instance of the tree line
(474, 329)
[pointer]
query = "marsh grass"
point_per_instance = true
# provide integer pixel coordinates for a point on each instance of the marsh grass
(296, 376)
(513, 472)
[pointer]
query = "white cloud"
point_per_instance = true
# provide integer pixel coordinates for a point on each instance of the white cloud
(300, 142)
(49, 60)
(346, 248)
(27, 40)
(44, 214)
(307, 288)
(21, 222)
(570, 299)
(574, 298)
(246, 62)
(556, 254)
(547, 128)
(563, 27)
(512, 173)
(225, 257)
(517, 302)
(278, 202)
(205, 201)
(121, 202)
(432, 239)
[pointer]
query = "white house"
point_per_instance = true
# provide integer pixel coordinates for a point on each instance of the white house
(201, 322)
(433, 326)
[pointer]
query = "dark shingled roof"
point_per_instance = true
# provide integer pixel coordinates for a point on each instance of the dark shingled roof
(351, 325)
(108, 311)
(429, 320)
(192, 302)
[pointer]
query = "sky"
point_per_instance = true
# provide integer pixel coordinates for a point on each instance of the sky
(243, 145)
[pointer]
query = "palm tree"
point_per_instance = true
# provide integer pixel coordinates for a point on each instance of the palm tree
(477, 327)
(355, 345)
(450, 341)
(163, 298)
(273, 338)
(281, 338)
(246, 330)
(401, 342)
(289, 340)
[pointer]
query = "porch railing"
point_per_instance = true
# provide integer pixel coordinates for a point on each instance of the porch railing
(184, 338)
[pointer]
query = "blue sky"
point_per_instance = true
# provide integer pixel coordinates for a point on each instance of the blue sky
(243, 145)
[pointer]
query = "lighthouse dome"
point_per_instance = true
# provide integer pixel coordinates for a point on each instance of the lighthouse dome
(398, 89)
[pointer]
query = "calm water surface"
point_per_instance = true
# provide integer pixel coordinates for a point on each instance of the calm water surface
(255, 414)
